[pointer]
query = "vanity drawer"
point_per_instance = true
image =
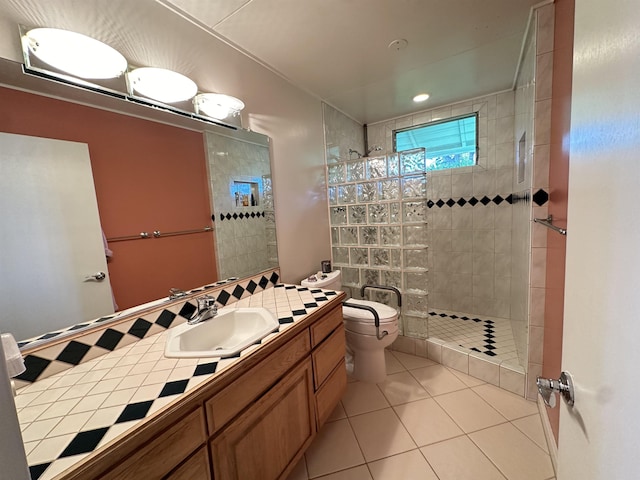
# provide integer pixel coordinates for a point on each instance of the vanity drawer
(328, 355)
(225, 405)
(331, 392)
(197, 467)
(161, 455)
(322, 328)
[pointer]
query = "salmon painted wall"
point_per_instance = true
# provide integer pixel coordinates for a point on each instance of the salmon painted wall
(558, 184)
(148, 176)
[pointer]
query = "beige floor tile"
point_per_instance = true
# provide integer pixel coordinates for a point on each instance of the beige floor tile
(406, 466)
(337, 414)
(402, 388)
(517, 457)
(459, 459)
(427, 422)
(363, 397)
(509, 404)
(412, 362)
(393, 365)
(531, 426)
(335, 448)
(299, 472)
(438, 380)
(357, 473)
(381, 434)
(469, 411)
(468, 380)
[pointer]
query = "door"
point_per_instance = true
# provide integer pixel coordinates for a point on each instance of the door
(50, 238)
(600, 437)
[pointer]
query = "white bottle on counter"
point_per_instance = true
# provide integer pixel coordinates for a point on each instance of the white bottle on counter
(13, 460)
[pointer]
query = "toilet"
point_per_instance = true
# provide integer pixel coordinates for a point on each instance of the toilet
(365, 352)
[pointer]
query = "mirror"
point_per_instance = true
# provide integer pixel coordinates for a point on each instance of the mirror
(156, 172)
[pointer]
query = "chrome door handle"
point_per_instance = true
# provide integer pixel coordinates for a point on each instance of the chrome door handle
(547, 387)
(96, 277)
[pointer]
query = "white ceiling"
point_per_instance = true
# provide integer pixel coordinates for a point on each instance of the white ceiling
(336, 50)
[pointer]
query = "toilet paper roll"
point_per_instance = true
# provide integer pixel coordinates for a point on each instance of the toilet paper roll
(13, 357)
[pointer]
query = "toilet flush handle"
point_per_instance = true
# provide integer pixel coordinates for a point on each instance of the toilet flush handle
(376, 317)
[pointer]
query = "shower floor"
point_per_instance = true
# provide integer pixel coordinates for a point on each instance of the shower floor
(490, 336)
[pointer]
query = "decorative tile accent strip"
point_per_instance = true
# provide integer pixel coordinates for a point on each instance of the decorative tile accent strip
(48, 360)
(540, 198)
(238, 216)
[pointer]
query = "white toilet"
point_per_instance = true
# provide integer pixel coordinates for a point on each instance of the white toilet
(365, 352)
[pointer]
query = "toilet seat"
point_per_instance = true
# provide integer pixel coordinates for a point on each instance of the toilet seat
(386, 313)
(362, 322)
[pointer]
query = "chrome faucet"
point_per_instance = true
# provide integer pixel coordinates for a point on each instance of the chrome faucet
(207, 309)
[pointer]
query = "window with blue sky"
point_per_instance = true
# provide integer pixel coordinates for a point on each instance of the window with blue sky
(450, 143)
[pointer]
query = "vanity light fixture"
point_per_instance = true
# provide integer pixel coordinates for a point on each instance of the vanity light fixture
(163, 85)
(217, 105)
(74, 53)
(421, 97)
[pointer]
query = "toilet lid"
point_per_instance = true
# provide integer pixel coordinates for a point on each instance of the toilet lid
(385, 312)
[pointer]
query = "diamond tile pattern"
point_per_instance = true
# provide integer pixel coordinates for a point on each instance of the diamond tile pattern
(487, 335)
(119, 335)
(140, 381)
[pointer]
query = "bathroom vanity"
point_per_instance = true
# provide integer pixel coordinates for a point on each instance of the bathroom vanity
(252, 419)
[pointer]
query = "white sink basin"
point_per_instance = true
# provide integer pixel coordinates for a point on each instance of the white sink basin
(224, 335)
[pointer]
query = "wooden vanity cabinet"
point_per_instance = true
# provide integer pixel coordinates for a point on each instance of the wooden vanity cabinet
(253, 421)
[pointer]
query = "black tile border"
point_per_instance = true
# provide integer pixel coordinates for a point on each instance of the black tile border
(238, 216)
(116, 335)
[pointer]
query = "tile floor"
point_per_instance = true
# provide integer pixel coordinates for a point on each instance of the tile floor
(489, 335)
(428, 422)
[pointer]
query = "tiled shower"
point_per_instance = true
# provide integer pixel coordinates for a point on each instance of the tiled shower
(244, 226)
(458, 243)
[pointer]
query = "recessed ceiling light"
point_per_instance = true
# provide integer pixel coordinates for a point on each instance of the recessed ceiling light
(217, 105)
(75, 54)
(163, 85)
(421, 97)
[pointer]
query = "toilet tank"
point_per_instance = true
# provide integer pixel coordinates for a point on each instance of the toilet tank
(332, 281)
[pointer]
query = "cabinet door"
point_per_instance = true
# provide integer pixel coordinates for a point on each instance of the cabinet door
(263, 441)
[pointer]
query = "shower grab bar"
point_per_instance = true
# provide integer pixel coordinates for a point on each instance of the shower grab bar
(383, 287)
(158, 234)
(548, 222)
(376, 317)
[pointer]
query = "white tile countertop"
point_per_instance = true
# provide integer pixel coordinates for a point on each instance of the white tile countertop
(70, 415)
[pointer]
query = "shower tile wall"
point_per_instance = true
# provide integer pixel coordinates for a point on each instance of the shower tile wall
(245, 235)
(341, 135)
(469, 258)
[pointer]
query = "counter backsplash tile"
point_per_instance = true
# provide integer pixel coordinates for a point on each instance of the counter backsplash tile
(49, 360)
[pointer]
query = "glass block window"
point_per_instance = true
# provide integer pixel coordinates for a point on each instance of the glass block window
(450, 143)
